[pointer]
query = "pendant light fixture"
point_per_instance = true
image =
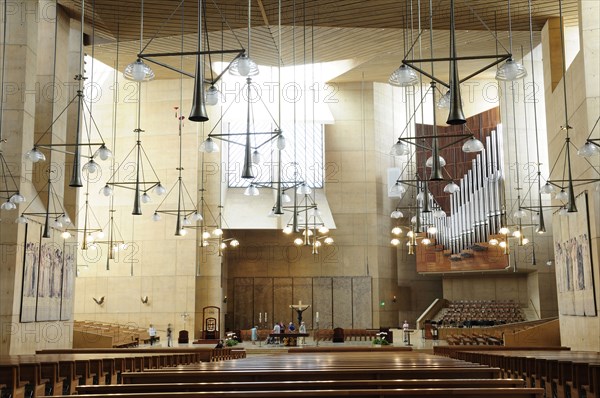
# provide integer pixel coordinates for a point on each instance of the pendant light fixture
(138, 71)
(35, 155)
(511, 70)
(244, 65)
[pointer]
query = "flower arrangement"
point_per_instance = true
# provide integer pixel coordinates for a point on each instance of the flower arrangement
(231, 340)
(380, 339)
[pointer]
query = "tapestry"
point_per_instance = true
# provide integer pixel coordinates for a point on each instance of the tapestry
(574, 273)
(31, 256)
(50, 266)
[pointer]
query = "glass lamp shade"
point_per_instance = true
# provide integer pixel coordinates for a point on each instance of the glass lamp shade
(285, 198)
(396, 230)
(205, 235)
(510, 71)
(451, 187)
(547, 188)
(516, 234)
(403, 77)
(502, 244)
(304, 189)
(472, 145)
(562, 196)
(280, 142)
(395, 241)
(65, 235)
(432, 230)
(183, 232)
(563, 211)
(328, 240)
(588, 150)
(35, 155)
(317, 243)
(398, 189)
(56, 224)
(298, 241)
(186, 222)
(196, 217)
(316, 212)
(234, 243)
(413, 220)
(209, 146)
(159, 190)
(64, 219)
(21, 220)
(400, 149)
(256, 157)
(145, 198)
(212, 96)
(8, 205)
(218, 232)
(287, 230)
(103, 152)
(155, 217)
(524, 241)
(251, 191)
(494, 242)
(90, 167)
(100, 235)
(444, 102)
(323, 230)
(520, 213)
(106, 190)
(439, 214)
(396, 214)
(504, 231)
(426, 241)
(243, 66)
(17, 198)
(138, 71)
(429, 162)
(536, 218)
(410, 234)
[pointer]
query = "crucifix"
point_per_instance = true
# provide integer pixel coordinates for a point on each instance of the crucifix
(300, 308)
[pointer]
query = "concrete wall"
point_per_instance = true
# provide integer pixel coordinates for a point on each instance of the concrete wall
(30, 106)
(583, 102)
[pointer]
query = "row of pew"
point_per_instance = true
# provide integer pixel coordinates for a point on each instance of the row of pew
(61, 371)
(360, 372)
(560, 372)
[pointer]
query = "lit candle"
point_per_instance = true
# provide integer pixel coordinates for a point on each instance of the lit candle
(260, 317)
(265, 317)
(317, 317)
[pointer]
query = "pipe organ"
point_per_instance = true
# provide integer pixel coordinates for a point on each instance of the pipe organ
(477, 210)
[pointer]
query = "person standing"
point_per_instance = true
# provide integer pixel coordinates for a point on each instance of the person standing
(276, 330)
(152, 334)
(254, 334)
(169, 335)
(302, 329)
(405, 328)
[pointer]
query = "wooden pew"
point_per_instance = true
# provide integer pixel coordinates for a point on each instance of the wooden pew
(301, 385)
(364, 393)
(561, 373)
(303, 374)
(29, 375)
(10, 377)
(49, 372)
